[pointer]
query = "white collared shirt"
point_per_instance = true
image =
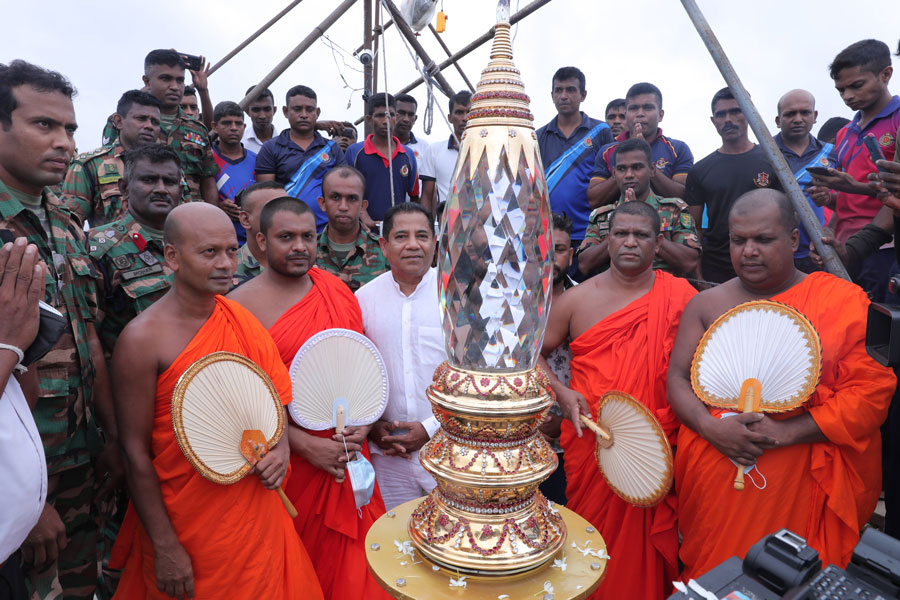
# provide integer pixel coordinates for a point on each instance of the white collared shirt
(23, 470)
(407, 331)
(253, 143)
(438, 163)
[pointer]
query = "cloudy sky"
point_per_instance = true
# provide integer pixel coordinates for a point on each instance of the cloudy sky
(775, 45)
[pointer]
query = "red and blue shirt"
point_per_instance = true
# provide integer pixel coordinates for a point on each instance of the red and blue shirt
(374, 165)
(855, 211)
(232, 178)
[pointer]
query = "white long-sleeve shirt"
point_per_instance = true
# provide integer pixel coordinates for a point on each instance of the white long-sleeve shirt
(407, 331)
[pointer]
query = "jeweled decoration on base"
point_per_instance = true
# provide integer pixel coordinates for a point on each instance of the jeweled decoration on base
(486, 516)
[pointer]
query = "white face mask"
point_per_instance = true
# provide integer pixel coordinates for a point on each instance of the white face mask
(362, 479)
(747, 470)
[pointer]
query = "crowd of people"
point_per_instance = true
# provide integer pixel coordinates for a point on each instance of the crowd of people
(191, 230)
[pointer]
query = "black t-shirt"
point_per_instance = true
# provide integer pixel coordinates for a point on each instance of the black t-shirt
(716, 182)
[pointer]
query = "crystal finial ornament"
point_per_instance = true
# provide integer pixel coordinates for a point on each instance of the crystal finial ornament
(495, 243)
(486, 516)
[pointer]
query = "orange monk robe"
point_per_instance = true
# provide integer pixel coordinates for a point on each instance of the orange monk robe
(824, 491)
(328, 522)
(239, 536)
(628, 351)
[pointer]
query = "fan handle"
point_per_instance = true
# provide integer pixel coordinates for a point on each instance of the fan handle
(604, 438)
(751, 394)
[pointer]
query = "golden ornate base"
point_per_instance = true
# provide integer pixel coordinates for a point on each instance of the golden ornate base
(411, 577)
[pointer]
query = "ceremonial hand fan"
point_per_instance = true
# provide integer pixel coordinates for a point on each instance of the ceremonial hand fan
(223, 406)
(632, 450)
(339, 379)
(760, 356)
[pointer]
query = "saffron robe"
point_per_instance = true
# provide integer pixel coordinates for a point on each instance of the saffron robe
(222, 527)
(328, 522)
(824, 491)
(628, 351)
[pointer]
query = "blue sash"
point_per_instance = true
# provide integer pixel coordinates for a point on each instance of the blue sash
(561, 165)
(802, 175)
(306, 171)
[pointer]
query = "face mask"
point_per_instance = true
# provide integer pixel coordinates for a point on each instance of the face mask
(362, 479)
(747, 470)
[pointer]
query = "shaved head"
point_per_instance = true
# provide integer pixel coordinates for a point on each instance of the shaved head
(801, 95)
(194, 219)
(750, 204)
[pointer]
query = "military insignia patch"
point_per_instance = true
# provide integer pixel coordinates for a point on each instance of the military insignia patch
(823, 161)
(122, 262)
(762, 179)
(886, 140)
(661, 163)
(148, 257)
(101, 240)
(324, 156)
(103, 179)
(194, 138)
(686, 220)
(404, 170)
(109, 233)
(588, 142)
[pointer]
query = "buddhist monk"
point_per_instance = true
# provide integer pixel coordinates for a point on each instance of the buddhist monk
(817, 468)
(295, 300)
(185, 536)
(622, 324)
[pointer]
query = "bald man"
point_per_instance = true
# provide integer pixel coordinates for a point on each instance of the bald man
(817, 469)
(185, 536)
(796, 116)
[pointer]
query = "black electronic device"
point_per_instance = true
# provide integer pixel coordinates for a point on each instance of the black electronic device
(874, 149)
(781, 561)
(820, 171)
(192, 62)
(883, 334)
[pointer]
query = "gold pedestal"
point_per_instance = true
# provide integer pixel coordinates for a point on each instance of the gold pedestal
(486, 516)
(411, 578)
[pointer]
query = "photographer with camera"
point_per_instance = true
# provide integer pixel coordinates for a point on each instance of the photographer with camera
(23, 468)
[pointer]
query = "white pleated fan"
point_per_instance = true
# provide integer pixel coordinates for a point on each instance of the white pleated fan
(338, 368)
(215, 400)
(763, 340)
(632, 451)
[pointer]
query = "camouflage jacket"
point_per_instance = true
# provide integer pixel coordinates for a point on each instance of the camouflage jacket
(677, 225)
(91, 188)
(189, 138)
(248, 267)
(134, 274)
(361, 265)
(64, 412)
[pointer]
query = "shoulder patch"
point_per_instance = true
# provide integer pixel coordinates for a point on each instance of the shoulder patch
(676, 201)
(601, 210)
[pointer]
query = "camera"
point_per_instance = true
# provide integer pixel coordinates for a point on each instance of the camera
(782, 566)
(366, 57)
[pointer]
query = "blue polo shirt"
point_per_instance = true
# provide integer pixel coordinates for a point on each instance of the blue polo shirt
(300, 171)
(233, 177)
(374, 165)
(569, 173)
(672, 157)
(817, 154)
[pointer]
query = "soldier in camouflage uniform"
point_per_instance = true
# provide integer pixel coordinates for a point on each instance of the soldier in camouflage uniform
(680, 251)
(91, 187)
(164, 78)
(72, 385)
(251, 201)
(129, 254)
(345, 248)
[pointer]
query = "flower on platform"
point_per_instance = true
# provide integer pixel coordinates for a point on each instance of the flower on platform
(404, 547)
(461, 582)
(559, 563)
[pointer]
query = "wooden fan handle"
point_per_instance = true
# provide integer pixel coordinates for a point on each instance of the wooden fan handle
(287, 503)
(341, 420)
(602, 433)
(739, 479)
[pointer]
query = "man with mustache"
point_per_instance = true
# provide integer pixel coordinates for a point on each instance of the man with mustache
(634, 174)
(129, 253)
(715, 182)
(294, 300)
(345, 248)
(402, 315)
(91, 187)
(622, 324)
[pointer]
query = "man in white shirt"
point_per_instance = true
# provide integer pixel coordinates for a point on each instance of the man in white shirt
(402, 316)
(437, 164)
(23, 468)
(261, 112)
